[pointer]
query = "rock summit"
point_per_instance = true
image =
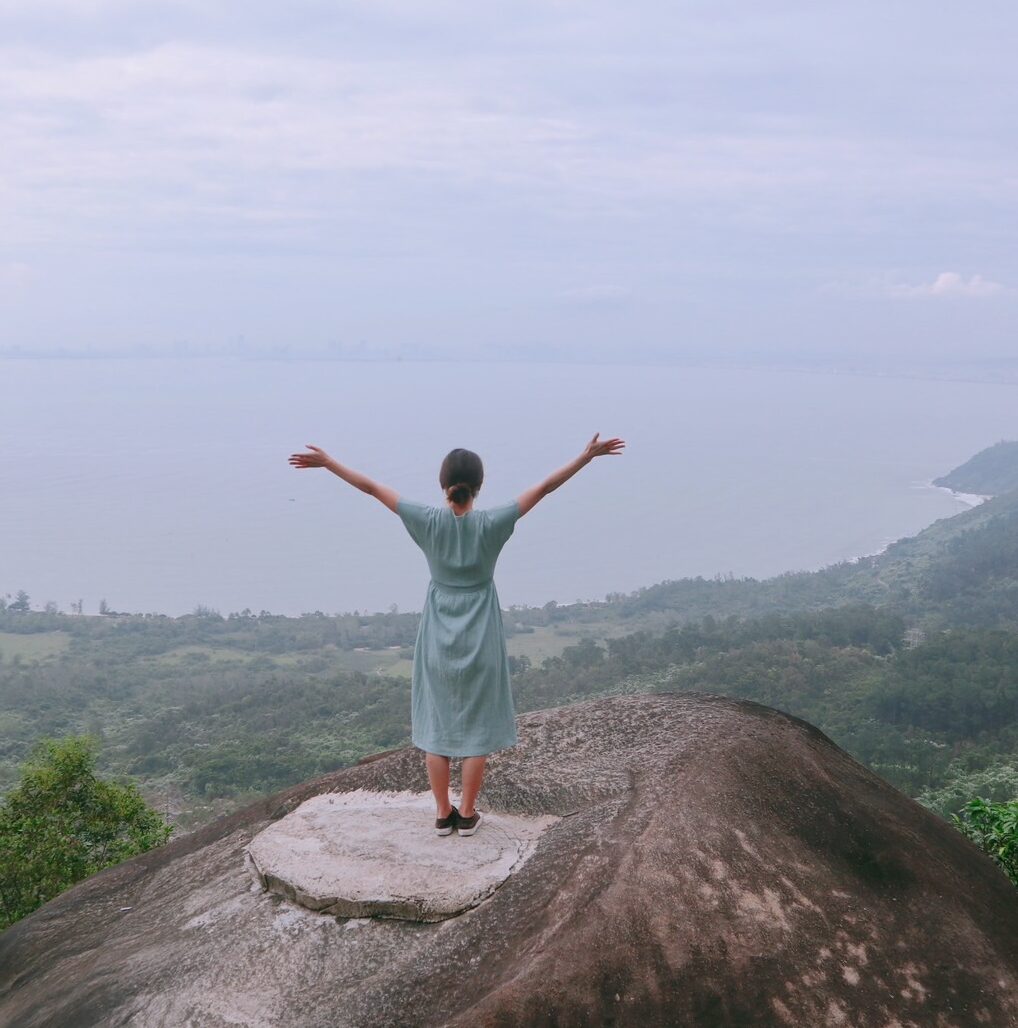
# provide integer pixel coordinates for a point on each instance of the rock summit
(659, 859)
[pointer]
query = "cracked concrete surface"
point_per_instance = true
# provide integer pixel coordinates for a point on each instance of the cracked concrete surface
(376, 854)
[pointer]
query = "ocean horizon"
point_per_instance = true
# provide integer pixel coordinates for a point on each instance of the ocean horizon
(162, 484)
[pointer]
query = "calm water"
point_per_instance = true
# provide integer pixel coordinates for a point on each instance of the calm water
(162, 484)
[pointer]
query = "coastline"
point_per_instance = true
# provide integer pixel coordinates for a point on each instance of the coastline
(969, 500)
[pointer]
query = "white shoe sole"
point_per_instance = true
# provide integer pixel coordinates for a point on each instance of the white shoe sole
(470, 831)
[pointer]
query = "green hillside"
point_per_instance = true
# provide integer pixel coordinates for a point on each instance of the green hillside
(989, 473)
(926, 577)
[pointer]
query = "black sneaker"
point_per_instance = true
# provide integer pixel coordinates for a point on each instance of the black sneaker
(445, 825)
(467, 825)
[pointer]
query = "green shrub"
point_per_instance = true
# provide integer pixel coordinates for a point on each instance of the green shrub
(993, 827)
(61, 824)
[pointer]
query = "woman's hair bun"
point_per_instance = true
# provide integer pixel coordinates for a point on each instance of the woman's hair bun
(459, 493)
(461, 475)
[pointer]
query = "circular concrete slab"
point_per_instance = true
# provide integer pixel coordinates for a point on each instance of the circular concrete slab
(364, 854)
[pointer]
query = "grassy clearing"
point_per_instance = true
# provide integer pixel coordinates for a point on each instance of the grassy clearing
(539, 644)
(33, 646)
(323, 660)
(202, 654)
(546, 642)
(400, 669)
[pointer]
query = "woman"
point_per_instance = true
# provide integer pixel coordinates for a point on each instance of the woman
(461, 702)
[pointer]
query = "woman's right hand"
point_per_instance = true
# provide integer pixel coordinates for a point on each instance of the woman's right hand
(602, 448)
(317, 459)
(595, 448)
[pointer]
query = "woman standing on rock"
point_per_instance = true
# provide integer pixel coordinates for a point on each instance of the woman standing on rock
(461, 702)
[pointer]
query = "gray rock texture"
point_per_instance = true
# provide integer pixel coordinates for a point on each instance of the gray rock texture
(714, 863)
(369, 854)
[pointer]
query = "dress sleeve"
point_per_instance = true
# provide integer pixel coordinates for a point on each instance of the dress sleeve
(415, 517)
(501, 522)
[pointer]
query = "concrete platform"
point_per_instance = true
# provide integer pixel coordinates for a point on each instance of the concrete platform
(376, 854)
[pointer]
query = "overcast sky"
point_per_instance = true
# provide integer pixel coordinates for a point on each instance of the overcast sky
(582, 178)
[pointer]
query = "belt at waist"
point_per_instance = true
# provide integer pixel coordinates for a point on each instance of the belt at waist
(462, 588)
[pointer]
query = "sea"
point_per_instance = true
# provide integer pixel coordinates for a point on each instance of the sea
(163, 485)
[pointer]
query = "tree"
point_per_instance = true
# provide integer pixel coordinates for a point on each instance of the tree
(61, 824)
(20, 603)
(586, 653)
(104, 607)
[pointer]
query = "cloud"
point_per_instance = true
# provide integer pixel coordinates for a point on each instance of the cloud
(192, 142)
(548, 150)
(948, 283)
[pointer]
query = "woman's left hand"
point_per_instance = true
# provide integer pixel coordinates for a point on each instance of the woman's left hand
(318, 459)
(603, 447)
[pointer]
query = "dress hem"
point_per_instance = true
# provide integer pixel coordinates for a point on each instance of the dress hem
(447, 751)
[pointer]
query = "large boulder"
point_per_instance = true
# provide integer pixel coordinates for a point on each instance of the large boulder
(697, 861)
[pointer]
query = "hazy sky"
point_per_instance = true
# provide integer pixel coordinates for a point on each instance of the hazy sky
(671, 178)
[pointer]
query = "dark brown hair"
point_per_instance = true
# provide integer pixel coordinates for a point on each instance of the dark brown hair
(461, 475)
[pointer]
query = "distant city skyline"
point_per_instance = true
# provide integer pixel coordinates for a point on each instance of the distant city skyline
(779, 183)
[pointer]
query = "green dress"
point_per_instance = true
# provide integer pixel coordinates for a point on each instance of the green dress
(461, 703)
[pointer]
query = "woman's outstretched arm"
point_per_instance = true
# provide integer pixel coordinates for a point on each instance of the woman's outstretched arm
(318, 458)
(595, 448)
